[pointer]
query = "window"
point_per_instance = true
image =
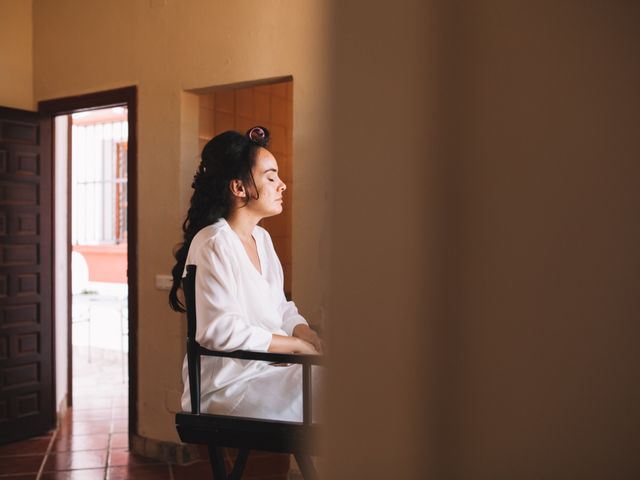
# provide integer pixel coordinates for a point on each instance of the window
(99, 178)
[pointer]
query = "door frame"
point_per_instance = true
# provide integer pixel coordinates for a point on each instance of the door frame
(128, 97)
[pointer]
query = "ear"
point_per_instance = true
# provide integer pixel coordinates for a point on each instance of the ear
(237, 188)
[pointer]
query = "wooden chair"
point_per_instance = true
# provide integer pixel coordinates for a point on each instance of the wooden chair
(245, 434)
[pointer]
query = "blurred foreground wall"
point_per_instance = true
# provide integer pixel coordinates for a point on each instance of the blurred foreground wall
(486, 276)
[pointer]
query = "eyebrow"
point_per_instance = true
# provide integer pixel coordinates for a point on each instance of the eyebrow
(271, 170)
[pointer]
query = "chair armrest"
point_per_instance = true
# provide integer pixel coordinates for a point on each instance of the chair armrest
(298, 358)
(305, 360)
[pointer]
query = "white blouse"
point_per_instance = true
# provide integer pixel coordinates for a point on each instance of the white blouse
(238, 308)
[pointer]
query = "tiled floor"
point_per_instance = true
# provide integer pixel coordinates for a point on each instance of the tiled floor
(91, 441)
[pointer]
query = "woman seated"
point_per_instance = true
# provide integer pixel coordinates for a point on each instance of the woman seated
(240, 301)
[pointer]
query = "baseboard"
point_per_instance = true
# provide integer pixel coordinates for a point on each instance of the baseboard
(178, 453)
(272, 464)
(62, 408)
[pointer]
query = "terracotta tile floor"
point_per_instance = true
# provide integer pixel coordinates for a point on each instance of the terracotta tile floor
(91, 441)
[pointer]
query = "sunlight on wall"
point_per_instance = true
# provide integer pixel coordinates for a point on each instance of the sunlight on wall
(16, 54)
(166, 49)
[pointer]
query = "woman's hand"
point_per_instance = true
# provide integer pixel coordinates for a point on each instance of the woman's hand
(304, 332)
(306, 347)
(286, 344)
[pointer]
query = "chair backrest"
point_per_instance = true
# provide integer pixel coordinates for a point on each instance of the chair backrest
(193, 348)
(189, 289)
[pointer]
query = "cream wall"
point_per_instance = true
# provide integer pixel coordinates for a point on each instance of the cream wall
(165, 48)
(16, 54)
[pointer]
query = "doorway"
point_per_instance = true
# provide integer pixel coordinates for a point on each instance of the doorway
(99, 327)
(95, 230)
(239, 107)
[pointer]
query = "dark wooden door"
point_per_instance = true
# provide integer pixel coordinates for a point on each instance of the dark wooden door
(26, 322)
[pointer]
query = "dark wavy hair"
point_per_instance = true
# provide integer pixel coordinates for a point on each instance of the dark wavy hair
(226, 157)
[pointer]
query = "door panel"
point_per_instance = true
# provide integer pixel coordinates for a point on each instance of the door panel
(26, 323)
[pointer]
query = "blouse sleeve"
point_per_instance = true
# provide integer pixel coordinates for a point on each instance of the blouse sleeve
(288, 310)
(221, 325)
(290, 316)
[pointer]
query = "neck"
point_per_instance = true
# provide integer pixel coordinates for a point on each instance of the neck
(242, 222)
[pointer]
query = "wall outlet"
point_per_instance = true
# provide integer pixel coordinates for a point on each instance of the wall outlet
(164, 282)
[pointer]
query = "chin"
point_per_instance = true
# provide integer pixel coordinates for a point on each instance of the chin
(273, 213)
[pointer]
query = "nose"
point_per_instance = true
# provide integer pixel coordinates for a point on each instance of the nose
(283, 186)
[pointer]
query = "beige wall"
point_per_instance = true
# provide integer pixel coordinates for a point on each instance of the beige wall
(16, 54)
(511, 151)
(82, 46)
